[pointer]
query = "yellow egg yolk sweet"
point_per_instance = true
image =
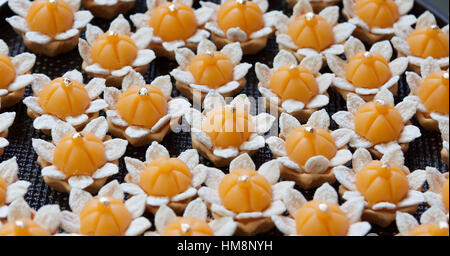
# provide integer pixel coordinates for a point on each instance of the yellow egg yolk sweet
(316, 218)
(212, 69)
(245, 190)
(305, 142)
(50, 17)
(379, 182)
(444, 194)
(377, 13)
(188, 227)
(166, 177)
(242, 14)
(104, 216)
(114, 51)
(7, 72)
(23, 227)
(430, 230)
(173, 21)
(378, 122)
(79, 154)
(142, 106)
(3, 187)
(427, 42)
(311, 31)
(433, 92)
(368, 70)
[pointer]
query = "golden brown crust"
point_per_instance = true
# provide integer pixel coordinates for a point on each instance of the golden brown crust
(378, 155)
(251, 227)
(445, 155)
(250, 47)
(307, 180)
(108, 11)
(12, 98)
(427, 122)
(113, 80)
(317, 5)
(412, 67)
(366, 98)
(160, 51)
(365, 35)
(188, 91)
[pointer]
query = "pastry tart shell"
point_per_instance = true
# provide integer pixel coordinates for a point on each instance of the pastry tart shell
(366, 98)
(250, 47)
(188, 91)
(367, 36)
(317, 5)
(160, 51)
(251, 227)
(307, 180)
(108, 12)
(3, 134)
(427, 122)
(12, 98)
(111, 80)
(54, 47)
(445, 155)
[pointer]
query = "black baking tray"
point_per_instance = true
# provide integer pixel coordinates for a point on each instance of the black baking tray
(423, 152)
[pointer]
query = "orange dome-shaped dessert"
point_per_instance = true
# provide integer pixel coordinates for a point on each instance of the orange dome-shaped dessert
(306, 142)
(430, 230)
(427, 42)
(212, 69)
(379, 182)
(166, 177)
(3, 187)
(173, 21)
(368, 70)
(50, 17)
(104, 216)
(23, 227)
(245, 191)
(142, 106)
(228, 127)
(242, 14)
(321, 219)
(7, 72)
(444, 194)
(114, 51)
(311, 31)
(63, 97)
(294, 83)
(378, 13)
(433, 92)
(188, 227)
(378, 122)
(79, 154)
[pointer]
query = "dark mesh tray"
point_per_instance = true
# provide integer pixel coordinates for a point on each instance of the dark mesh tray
(423, 152)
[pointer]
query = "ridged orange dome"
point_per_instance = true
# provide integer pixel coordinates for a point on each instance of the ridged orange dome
(379, 182)
(245, 191)
(50, 17)
(444, 194)
(305, 142)
(311, 31)
(427, 42)
(23, 227)
(188, 227)
(368, 70)
(114, 51)
(63, 98)
(142, 106)
(79, 154)
(378, 13)
(228, 127)
(7, 72)
(429, 230)
(3, 187)
(166, 177)
(242, 14)
(104, 216)
(294, 83)
(173, 21)
(433, 92)
(321, 219)
(212, 69)
(378, 122)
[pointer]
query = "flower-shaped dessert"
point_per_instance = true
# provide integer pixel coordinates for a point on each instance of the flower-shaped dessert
(366, 72)
(378, 125)
(426, 40)
(6, 120)
(386, 186)
(81, 160)
(306, 33)
(296, 89)
(49, 27)
(443, 127)
(431, 89)
(433, 222)
(194, 222)
(142, 113)
(376, 20)
(322, 216)
(248, 196)
(163, 180)
(307, 153)
(210, 70)
(108, 9)
(107, 214)
(437, 194)
(65, 98)
(317, 5)
(14, 75)
(24, 221)
(243, 21)
(175, 25)
(112, 55)
(224, 131)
